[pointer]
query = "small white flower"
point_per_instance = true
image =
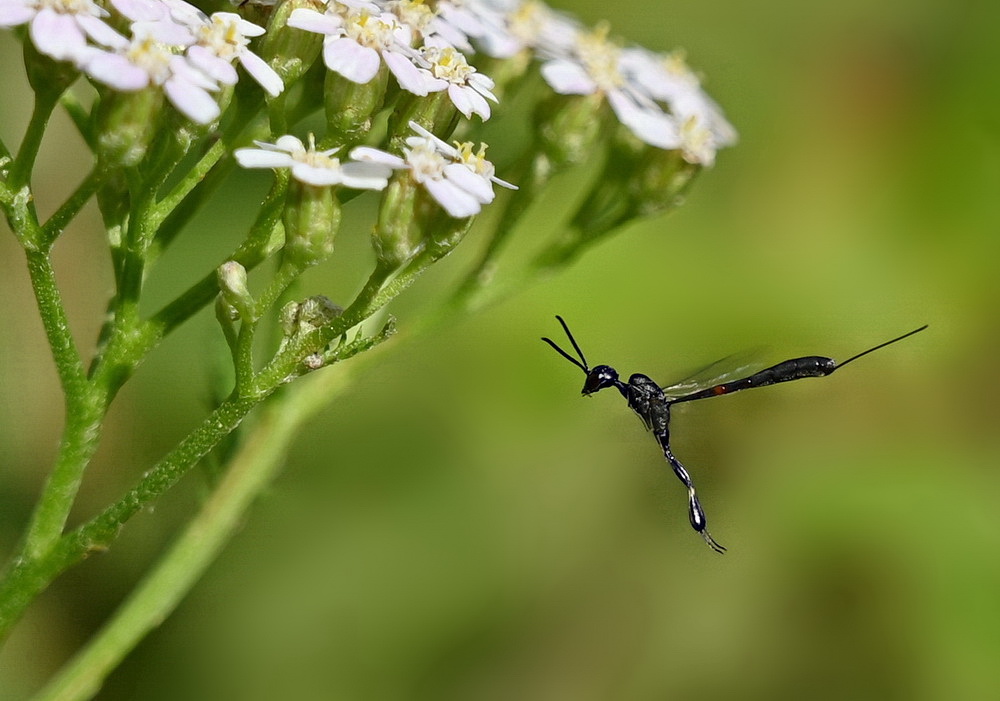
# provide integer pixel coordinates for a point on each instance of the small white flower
(445, 24)
(668, 79)
(168, 21)
(60, 28)
(595, 67)
(467, 88)
(222, 39)
(359, 38)
(145, 62)
(515, 26)
(475, 161)
(458, 179)
(312, 167)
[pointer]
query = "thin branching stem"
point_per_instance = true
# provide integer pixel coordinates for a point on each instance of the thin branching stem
(70, 208)
(84, 409)
(250, 470)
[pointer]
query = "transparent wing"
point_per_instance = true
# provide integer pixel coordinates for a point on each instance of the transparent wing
(732, 367)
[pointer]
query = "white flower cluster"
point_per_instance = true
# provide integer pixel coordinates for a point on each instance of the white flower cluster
(170, 44)
(657, 97)
(421, 48)
(459, 179)
(425, 45)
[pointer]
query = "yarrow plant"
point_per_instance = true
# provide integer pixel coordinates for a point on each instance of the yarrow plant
(168, 98)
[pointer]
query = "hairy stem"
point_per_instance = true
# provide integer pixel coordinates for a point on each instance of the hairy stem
(27, 578)
(251, 470)
(84, 410)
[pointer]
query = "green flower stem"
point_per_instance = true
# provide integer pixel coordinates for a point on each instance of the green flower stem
(175, 208)
(381, 288)
(167, 583)
(5, 157)
(124, 352)
(80, 115)
(27, 578)
(135, 248)
(283, 278)
(20, 173)
(70, 208)
(250, 471)
(177, 218)
(84, 409)
(180, 191)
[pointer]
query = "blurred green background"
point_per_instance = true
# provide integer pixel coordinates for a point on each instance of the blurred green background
(460, 524)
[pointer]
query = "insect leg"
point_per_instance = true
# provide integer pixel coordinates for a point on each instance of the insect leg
(695, 512)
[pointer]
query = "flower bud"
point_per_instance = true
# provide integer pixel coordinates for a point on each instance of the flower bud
(311, 219)
(570, 127)
(447, 232)
(396, 237)
(660, 181)
(46, 75)
(289, 51)
(232, 278)
(350, 106)
(435, 112)
(126, 123)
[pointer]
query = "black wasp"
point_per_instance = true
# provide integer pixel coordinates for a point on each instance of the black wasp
(652, 403)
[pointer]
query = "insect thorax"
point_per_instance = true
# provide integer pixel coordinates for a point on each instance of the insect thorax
(648, 401)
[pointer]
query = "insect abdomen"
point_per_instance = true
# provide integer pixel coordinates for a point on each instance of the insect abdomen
(794, 369)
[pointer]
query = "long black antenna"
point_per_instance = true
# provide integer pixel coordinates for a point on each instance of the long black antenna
(583, 366)
(881, 345)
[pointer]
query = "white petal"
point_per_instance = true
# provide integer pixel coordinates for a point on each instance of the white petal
(114, 70)
(213, 66)
(265, 76)
(476, 185)
(481, 88)
(260, 158)
(357, 63)
(568, 78)
(166, 30)
(653, 127)
(312, 21)
(186, 72)
(468, 101)
(15, 13)
(193, 102)
(441, 145)
(503, 183)
(98, 30)
(141, 10)
(365, 176)
(244, 27)
(374, 155)
(499, 43)
(412, 79)
(456, 201)
(314, 175)
(289, 144)
(57, 35)
(459, 98)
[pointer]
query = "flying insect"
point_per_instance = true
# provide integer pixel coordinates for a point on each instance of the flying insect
(652, 402)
